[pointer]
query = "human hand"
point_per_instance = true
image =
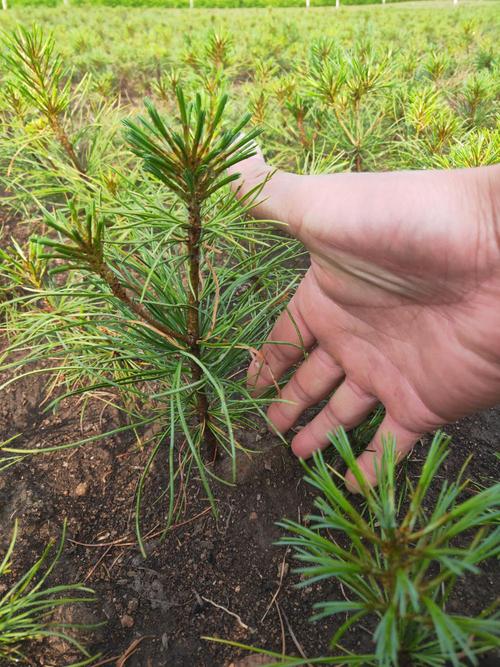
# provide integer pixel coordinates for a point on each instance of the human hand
(401, 304)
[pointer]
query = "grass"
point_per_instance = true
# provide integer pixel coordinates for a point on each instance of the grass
(29, 604)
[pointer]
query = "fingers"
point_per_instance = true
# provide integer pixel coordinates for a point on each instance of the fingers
(348, 407)
(372, 456)
(288, 341)
(315, 379)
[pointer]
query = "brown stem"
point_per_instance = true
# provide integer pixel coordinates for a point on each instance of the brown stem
(193, 323)
(302, 132)
(359, 164)
(357, 109)
(121, 293)
(63, 139)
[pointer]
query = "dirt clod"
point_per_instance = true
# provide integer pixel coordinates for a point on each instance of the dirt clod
(82, 489)
(127, 621)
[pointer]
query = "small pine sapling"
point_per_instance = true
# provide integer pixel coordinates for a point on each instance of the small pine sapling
(160, 298)
(55, 144)
(350, 87)
(192, 163)
(398, 559)
(42, 80)
(28, 606)
(404, 557)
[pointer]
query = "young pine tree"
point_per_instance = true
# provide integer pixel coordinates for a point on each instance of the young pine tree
(160, 297)
(398, 559)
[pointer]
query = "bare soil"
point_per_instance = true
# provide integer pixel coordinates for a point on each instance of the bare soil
(209, 577)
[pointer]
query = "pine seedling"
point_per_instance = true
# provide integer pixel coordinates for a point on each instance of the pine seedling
(401, 558)
(55, 144)
(164, 308)
(477, 148)
(420, 107)
(193, 163)
(476, 100)
(40, 76)
(349, 85)
(432, 126)
(265, 69)
(28, 606)
(218, 49)
(437, 66)
(397, 560)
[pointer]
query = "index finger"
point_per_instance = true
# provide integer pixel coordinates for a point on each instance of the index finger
(286, 345)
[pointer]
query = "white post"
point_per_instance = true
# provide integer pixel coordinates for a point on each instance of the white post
(191, 4)
(308, 4)
(455, 2)
(337, 4)
(383, 2)
(4, 4)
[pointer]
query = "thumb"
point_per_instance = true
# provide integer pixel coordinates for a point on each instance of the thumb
(282, 197)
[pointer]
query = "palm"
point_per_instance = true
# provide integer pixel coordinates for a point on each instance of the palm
(397, 309)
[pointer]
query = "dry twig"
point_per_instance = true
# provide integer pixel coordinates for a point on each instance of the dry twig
(276, 593)
(228, 611)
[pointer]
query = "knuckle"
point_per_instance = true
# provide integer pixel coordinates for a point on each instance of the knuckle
(359, 393)
(326, 360)
(332, 415)
(276, 351)
(300, 392)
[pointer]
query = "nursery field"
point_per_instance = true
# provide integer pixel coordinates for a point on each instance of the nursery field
(183, 4)
(134, 291)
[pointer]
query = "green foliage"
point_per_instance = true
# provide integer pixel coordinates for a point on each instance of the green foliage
(37, 72)
(27, 606)
(157, 296)
(54, 146)
(197, 3)
(143, 285)
(347, 85)
(39, 79)
(441, 63)
(193, 161)
(405, 557)
(398, 559)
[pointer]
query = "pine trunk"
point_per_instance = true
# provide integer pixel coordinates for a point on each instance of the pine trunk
(193, 324)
